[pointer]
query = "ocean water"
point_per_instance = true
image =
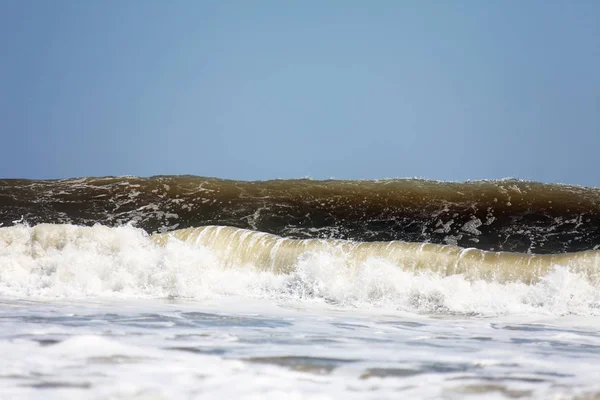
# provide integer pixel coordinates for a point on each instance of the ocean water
(236, 347)
(298, 289)
(110, 313)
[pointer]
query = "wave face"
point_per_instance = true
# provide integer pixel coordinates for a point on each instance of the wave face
(506, 215)
(52, 260)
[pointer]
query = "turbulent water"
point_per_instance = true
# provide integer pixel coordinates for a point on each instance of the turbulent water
(506, 215)
(189, 287)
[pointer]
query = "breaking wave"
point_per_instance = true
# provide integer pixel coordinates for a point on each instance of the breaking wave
(504, 215)
(74, 261)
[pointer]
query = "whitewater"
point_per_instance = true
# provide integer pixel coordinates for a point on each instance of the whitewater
(218, 312)
(186, 287)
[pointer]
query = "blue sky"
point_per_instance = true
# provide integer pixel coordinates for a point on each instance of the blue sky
(449, 90)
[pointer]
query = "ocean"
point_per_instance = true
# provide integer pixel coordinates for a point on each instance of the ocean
(177, 287)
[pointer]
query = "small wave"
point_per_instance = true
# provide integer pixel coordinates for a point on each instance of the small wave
(73, 261)
(236, 246)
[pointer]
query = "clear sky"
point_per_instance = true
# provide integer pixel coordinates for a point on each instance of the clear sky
(449, 90)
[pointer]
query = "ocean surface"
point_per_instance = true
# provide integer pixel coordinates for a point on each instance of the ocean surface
(178, 287)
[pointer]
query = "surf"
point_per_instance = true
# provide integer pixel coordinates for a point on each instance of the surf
(236, 246)
(71, 261)
(501, 215)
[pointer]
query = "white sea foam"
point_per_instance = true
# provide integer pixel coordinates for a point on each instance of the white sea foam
(74, 262)
(237, 347)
